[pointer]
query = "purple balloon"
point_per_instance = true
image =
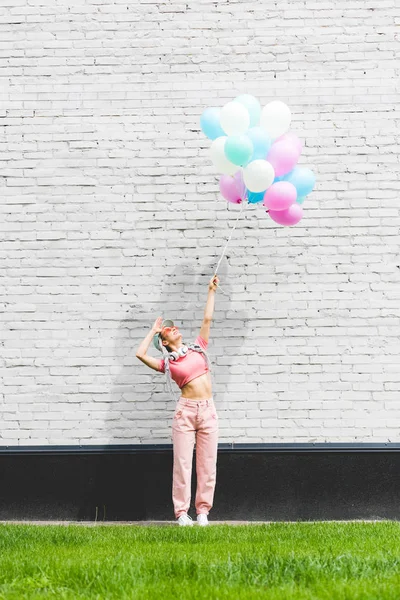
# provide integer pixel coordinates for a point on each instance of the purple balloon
(240, 185)
(280, 195)
(228, 189)
(292, 139)
(283, 156)
(290, 216)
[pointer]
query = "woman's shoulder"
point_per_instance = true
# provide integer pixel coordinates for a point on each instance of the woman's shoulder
(200, 341)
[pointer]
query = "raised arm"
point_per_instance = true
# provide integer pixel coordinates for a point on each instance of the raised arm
(141, 352)
(209, 309)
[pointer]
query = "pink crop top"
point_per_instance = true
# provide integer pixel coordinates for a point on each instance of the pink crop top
(187, 367)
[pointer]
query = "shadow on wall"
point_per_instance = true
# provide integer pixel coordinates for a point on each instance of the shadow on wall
(142, 408)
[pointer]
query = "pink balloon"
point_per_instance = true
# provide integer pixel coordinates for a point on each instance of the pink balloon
(283, 156)
(290, 216)
(228, 189)
(280, 195)
(292, 139)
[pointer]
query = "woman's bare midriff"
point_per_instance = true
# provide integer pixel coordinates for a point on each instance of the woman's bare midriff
(198, 389)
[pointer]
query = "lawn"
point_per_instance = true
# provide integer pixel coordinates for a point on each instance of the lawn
(330, 560)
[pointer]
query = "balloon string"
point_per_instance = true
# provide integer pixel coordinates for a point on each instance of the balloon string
(244, 199)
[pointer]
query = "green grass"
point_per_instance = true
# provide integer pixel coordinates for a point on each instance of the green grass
(302, 561)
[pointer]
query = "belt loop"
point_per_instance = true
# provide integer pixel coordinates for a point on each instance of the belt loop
(208, 402)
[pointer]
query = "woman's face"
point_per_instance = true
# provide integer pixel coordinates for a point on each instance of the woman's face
(170, 335)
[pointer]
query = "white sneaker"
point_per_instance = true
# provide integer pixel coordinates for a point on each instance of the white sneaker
(184, 519)
(202, 519)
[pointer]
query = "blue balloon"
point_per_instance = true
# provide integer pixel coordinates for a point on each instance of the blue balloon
(300, 200)
(209, 123)
(303, 180)
(253, 107)
(261, 142)
(254, 197)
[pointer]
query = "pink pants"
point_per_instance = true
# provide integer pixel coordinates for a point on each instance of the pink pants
(194, 421)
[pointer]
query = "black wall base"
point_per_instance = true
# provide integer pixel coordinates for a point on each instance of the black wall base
(271, 482)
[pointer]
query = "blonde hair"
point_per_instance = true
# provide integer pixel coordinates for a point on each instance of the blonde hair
(166, 355)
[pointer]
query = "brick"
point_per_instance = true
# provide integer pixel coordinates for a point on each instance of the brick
(112, 216)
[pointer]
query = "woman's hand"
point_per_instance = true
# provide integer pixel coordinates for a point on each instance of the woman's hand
(214, 282)
(157, 325)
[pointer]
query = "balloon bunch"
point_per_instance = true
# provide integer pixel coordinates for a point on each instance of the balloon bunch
(257, 156)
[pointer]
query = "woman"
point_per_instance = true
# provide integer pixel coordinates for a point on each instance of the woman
(195, 418)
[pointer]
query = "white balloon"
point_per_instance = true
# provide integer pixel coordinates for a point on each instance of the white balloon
(275, 118)
(234, 118)
(258, 175)
(220, 162)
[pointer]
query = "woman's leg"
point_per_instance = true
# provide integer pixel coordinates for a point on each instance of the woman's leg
(183, 438)
(206, 458)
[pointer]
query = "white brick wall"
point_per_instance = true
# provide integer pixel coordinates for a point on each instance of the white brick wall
(103, 168)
